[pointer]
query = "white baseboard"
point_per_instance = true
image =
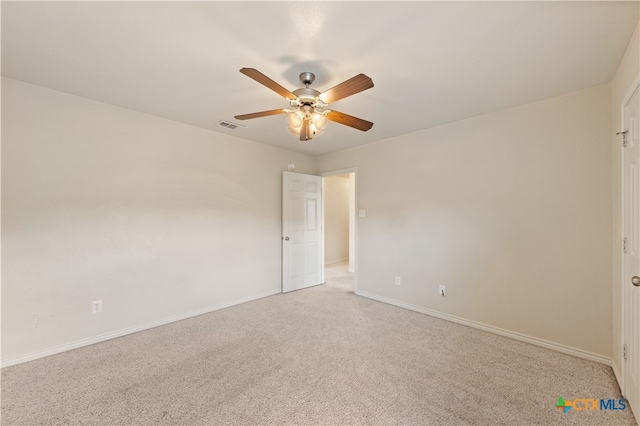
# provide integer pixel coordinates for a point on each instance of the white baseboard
(495, 330)
(334, 261)
(119, 333)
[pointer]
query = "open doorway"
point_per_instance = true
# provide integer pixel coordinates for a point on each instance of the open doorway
(339, 230)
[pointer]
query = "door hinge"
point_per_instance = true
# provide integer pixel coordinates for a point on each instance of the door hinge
(624, 245)
(624, 137)
(624, 351)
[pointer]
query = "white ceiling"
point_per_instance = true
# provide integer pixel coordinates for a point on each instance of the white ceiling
(431, 62)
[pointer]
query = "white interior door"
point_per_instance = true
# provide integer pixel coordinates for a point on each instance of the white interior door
(631, 276)
(301, 231)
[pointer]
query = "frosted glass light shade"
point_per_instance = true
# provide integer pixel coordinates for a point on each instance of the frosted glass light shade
(320, 121)
(295, 119)
(317, 122)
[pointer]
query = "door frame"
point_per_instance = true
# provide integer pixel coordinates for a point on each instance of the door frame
(353, 170)
(622, 265)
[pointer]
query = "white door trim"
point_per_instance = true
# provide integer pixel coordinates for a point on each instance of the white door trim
(620, 375)
(353, 170)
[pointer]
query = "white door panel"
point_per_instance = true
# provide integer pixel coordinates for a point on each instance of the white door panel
(631, 224)
(301, 231)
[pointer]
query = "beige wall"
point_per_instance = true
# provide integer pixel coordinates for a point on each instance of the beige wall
(157, 219)
(336, 219)
(511, 211)
(626, 76)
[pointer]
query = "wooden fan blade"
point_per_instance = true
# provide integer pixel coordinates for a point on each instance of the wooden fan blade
(349, 120)
(305, 130)
(260, 114)
(347, 88)
(266, 81)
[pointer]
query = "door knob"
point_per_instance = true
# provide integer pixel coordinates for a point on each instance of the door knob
(287, 239)
(635, 280)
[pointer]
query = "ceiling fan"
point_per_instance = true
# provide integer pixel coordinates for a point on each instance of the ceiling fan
(307, 115)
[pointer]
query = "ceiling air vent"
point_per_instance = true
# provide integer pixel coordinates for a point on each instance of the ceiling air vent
(229, 125)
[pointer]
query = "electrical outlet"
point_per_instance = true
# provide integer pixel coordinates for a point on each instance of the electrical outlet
(397, 280)
(443, 291)
(96, 306)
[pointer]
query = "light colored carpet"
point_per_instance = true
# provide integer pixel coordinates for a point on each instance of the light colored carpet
(337, 276)
(316, 356)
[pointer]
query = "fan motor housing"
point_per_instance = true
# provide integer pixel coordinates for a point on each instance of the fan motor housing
(306, 95)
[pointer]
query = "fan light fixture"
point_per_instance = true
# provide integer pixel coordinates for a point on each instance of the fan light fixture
(313, 121)
(307, 117)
